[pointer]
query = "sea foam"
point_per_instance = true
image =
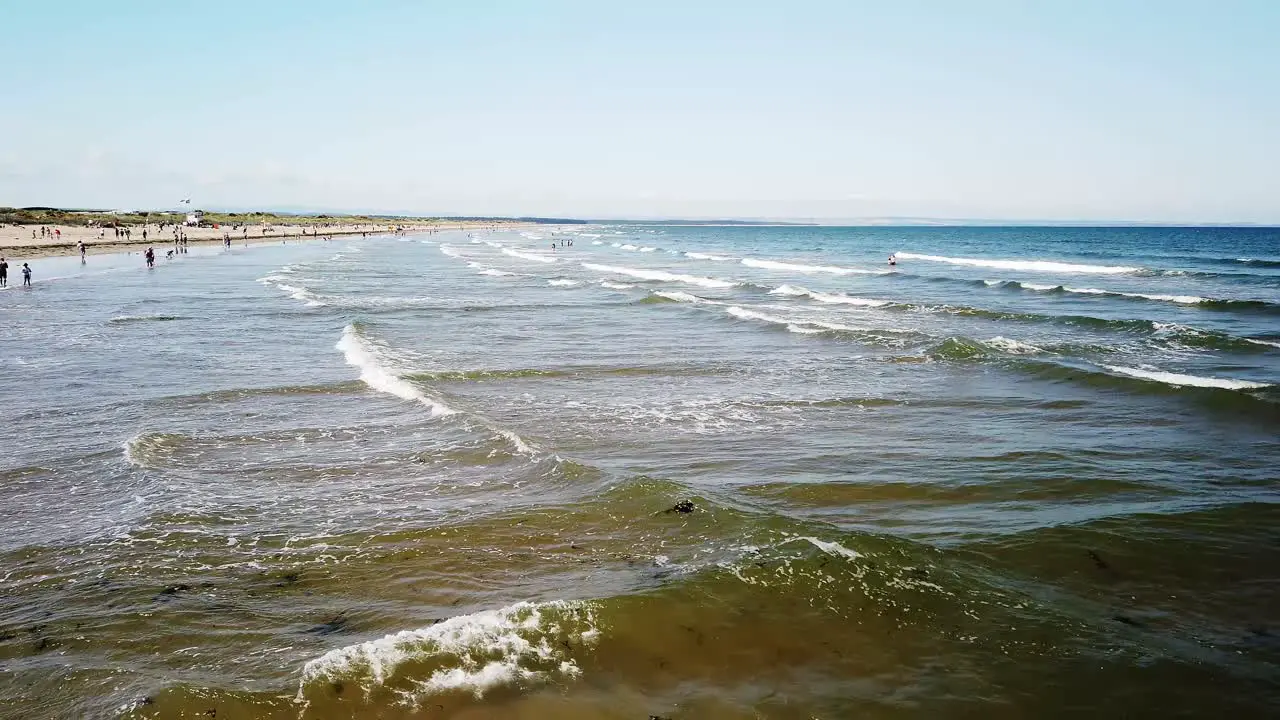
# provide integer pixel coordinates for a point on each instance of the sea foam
(376, 373)
(527, 256)
(523, 644)
(1046, 266)
(660, 276)
(1176, 379)
(804, 268)
(829, 298)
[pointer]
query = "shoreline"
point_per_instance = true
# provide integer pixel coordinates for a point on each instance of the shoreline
(96, 246)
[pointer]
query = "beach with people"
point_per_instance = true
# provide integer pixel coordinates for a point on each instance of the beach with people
(32, 240)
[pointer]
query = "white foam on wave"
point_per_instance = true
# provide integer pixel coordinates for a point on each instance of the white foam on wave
(1182, 299)
(831, 548)
(803, 268)
(1013, 347)
(684, 297)
(829, 298)
(597, 242)
(660, 276)
(1169, 378)
(628, 246)
(496, 273)
(648, 249)
(448, 250)
(801, 327)
(615, 286)
(706, 256)
(1268, 343)
(745, 314)
(301, 294)
(1047, 266)
(362, 354)
(528, 256)
(563, 282)
(532, 236)
(525, 643)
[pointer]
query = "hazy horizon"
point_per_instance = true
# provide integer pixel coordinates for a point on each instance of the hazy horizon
(1073, 113)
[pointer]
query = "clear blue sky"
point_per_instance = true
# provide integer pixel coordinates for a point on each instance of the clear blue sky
(1157, 110)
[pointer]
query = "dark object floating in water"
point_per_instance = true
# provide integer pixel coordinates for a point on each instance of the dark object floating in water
(1097, 560)
(337, 624)
(173, 590)
(1126, 620)
(684, 506)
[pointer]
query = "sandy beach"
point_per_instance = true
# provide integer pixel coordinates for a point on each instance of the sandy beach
(20, 242)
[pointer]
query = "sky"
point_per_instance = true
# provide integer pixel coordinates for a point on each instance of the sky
(1160, 111)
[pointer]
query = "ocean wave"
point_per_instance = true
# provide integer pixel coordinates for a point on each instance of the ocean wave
(803, 268)
(829, 298)
(683, 297)
(707, 256)
(122, 319)
(377, 374)
(1204, 302)
(301, 294)
(1013, 347)
(800, 326)
(448, 250)
(527, 256)
(1045, 266)
(148, 450)
(615, 286)
(525, 644)
(493, 272)
(1181, 380)
(1258, 262)
(660, 276)
(563, 282)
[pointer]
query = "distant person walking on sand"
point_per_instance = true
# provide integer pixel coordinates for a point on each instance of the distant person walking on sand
(58, 232)
(26, 275)
(151, 257)
(4, 273)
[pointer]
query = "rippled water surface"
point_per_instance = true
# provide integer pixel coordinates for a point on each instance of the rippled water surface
(687, 472)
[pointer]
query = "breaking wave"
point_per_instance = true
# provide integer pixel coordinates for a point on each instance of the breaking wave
(1045, 266)
(830, 298)
(527, 256)
(803, 268)
(377, 373)
(522, 645)
(1180, 380)
(660, 276)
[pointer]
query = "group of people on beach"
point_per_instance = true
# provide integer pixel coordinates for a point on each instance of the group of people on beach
(4, 274)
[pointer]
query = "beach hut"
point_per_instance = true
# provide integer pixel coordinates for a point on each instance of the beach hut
(195, 217)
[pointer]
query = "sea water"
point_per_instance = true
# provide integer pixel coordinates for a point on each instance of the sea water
(1024, 472)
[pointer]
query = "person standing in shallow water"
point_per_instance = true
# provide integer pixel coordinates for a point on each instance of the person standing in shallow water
(26, 275)
(151, 257)
(4, 273)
